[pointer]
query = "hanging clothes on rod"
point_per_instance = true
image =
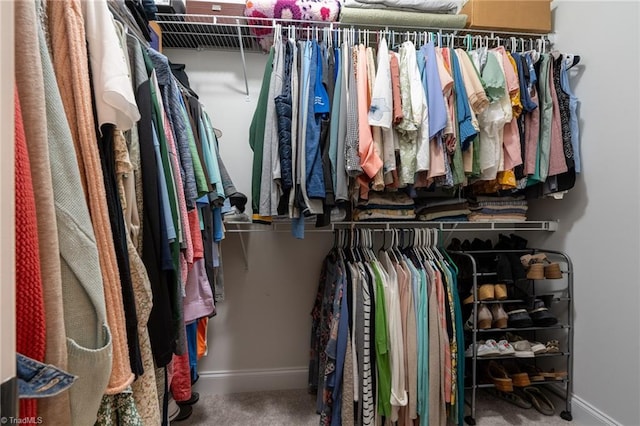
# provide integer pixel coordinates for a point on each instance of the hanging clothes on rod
(130, 223)
(387, 331)
(423, 113)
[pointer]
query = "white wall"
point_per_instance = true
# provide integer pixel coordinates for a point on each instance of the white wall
(7, 263)
(599, 218)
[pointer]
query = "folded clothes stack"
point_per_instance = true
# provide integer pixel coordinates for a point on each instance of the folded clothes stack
(442, 209)
(385, 206)
(494, 209)
(426, 14)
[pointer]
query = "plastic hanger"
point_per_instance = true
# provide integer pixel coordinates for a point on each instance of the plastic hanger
(571, 60)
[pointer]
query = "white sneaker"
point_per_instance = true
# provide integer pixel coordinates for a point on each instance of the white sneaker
(523, 349)
(505, 348)
(488, 348)
(538, 348)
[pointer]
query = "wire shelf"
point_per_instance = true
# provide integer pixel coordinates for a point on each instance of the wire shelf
(223, 32)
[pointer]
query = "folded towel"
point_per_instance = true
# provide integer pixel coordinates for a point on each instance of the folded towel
(451, 7)
(391, 199)
(400, 18)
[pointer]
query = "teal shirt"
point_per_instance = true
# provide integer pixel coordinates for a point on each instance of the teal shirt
(212, 150)
(423, 347)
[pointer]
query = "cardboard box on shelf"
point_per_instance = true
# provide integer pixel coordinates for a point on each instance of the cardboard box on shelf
(509, 15)
(216, 7)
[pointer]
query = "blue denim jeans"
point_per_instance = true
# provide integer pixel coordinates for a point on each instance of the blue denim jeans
(38, 380)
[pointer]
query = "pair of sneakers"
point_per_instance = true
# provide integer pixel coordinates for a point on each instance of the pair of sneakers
(490, 348)
(525, 348)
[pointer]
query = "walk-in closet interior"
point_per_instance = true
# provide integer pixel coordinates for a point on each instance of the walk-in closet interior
(333, 212)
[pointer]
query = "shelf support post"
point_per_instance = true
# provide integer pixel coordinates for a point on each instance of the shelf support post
(244, 62)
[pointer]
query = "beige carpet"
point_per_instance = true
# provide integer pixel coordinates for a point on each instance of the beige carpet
(297, 408)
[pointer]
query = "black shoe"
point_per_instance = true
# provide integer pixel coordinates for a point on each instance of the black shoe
(504, 243)
(185, 412)
(519, 243)
(541, 316)
(455, 245)
(477, 244)
(518, 317)
(466, 245)
(195, 396)
(503, 269)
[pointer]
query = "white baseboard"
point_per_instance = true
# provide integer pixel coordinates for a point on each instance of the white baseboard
(586, 414)
(233, 381)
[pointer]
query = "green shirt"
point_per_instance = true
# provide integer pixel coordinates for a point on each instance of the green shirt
(382, 346)
(256, 133)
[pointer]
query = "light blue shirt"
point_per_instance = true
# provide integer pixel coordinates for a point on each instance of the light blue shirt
(164, 192)
(433, 85)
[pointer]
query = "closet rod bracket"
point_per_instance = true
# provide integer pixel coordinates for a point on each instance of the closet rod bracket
(244, 62)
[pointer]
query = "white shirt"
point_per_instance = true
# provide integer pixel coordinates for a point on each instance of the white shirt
(112, 87)
(399, 395)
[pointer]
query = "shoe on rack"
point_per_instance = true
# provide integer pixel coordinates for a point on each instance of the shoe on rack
(552, 347)
(505, 348)
(535, 373)
(533, 267)
(488, 348)
(512, 242)
(486, 292)
(511, 397)
(518, 377)
(519, 243)
(519, 317)
(523, 349)
(503, 269)
(504, 243)
(455, 245)
(539, 400)
(554, 375)
(499, 377)
(500, 317)
(468, 300)
(512, 337)
(478, 245)
(484, 319)
(500, 291)
(538, 348)
(552, 270)
(540, 315)
(539, 267)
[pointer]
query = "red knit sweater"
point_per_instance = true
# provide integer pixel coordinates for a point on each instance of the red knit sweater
(30, 320)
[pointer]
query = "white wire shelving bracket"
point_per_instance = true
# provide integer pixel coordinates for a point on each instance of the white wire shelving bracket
(244, 228)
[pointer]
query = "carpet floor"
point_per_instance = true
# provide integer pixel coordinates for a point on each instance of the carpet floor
(297, 408)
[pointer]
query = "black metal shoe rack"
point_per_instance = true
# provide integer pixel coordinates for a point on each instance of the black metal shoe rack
(560, 294)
